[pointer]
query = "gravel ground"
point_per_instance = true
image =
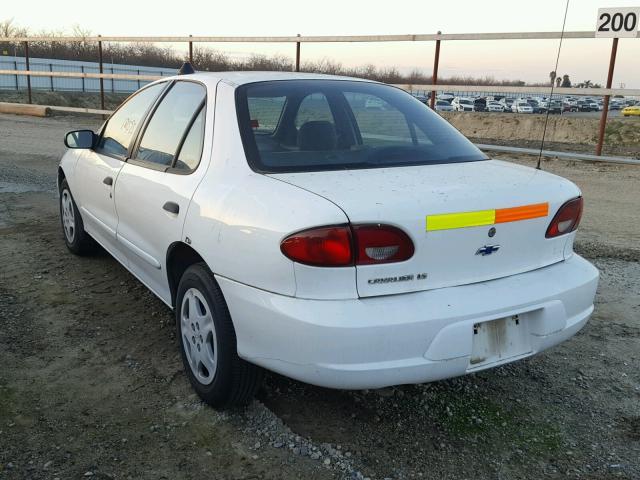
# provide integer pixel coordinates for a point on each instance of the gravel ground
(92, 383)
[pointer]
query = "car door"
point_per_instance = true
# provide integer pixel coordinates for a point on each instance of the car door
(97, 170)
(156, 184)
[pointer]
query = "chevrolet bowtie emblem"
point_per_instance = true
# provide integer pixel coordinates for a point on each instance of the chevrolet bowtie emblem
(487, 250)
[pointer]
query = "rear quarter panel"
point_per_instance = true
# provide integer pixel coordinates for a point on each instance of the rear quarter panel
(237, 218)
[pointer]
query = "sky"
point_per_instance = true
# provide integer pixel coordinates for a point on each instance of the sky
(529, 60)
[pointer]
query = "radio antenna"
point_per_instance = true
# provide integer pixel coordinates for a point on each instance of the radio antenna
(553, 83)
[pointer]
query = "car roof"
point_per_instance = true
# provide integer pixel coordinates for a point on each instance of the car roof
(241, 78)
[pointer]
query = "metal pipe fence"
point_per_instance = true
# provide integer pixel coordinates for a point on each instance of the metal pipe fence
(298, 40)
(49, 81)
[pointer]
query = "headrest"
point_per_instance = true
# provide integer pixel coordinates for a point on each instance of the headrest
(317, 135)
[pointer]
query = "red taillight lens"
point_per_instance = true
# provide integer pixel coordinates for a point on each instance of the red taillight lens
(567, 219)
(341, 246)
(381, 244)
(320, 247)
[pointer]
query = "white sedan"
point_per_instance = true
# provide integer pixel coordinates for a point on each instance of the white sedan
(290, 227)
(494, 107)
(521, 107)
(463, 104)
(443, 106)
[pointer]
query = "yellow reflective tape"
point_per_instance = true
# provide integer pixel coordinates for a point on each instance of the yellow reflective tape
(448, 221)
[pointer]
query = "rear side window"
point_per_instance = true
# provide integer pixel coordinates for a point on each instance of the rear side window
(191, 151)
(170, 123)
(380, 123)
(265, 113)
(122, 125)
(343, 124)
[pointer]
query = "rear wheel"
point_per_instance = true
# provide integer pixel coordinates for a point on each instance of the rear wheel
(77, 240)
(208, 342)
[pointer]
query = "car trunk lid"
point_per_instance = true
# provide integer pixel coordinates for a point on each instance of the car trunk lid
(469, 222)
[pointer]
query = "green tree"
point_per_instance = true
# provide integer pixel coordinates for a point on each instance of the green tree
(566, 81)
(552, 76)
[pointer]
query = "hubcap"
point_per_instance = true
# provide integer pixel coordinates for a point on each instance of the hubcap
(198, 336)
(68, 216)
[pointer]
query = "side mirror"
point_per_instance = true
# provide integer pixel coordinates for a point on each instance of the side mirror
(80, 139)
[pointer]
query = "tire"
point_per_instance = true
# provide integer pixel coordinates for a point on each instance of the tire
(77, 240)
(208, 343)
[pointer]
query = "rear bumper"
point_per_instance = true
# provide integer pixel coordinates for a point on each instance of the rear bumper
(407, 338)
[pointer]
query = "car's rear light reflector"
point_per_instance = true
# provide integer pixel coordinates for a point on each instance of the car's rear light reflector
(381, 244)
(567, 219)
(343, 245)
(381, 253)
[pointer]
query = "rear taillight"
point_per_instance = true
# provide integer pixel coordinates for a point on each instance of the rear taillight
(348, 245)
(567, 219)
(321, 247)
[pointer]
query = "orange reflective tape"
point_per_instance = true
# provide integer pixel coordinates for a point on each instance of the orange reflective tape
(525, 212)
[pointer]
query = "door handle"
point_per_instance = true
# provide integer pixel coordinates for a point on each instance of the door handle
(108, 181)
(172, 207)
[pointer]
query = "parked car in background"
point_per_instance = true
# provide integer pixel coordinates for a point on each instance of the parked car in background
(479, 104)
(393, 252)
(615, 105)
(506, 103)
(443, 106)
(536, 107)
(493, 106)
(463, 104)
(421, 97)
(521, 106)
(446, 96)
(583, 106)
(554, 106)
(632, 111)
(570, 105)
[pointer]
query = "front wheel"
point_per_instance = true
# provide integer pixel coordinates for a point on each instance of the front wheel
(77, 240)
(208, 342)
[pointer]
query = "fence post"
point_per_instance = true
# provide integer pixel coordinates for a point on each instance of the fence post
(113, 80)
(138, 79)
(82, 71)
(434, 77)
(190, 52)
(15, 67)
(27, 67)
(605, 104)
(51, 77)
(101, 71)
(298, 55)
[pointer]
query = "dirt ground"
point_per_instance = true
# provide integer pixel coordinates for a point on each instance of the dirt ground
(91, 382)
(564, 132)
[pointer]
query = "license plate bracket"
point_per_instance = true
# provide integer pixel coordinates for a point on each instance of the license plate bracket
(498, 340)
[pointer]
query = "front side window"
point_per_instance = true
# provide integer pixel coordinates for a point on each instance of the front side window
(343, 124)
(170, 122)
(122, 125)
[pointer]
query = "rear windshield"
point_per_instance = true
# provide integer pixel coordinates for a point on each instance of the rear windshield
(312, 125)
